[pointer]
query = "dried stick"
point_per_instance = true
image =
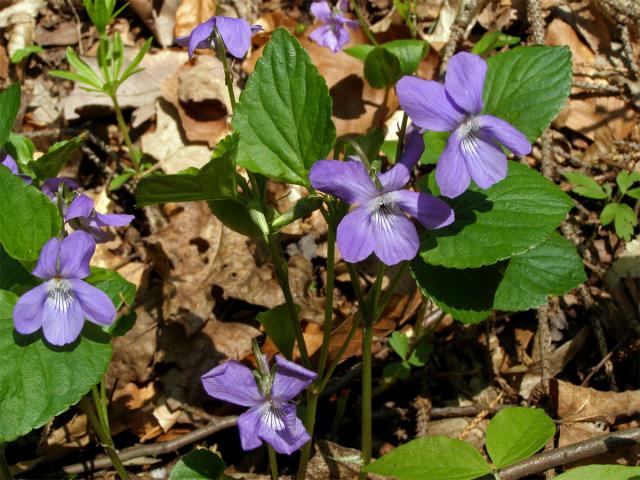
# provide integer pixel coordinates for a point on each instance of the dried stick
(544, 338)
(161, 448)
(571, 453)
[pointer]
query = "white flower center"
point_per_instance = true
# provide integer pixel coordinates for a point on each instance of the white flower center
(468, 135)
(273, 415)
(59, 294)
(383, 209)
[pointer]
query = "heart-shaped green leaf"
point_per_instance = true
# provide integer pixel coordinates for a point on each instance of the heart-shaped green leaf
(284, 113)
(509, 218)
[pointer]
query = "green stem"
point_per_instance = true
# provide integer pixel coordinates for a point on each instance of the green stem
(363, 22)
(401, 134)
(367, 362)
(273, 462)
(104, 437)
(283, 280)
(122, 125)
(5, 472)
(309, 424)
(328, 307)
(228, 76)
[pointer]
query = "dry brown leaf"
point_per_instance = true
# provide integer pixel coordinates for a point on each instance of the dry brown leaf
(579, 404)
(453, 427)
(497, 15)
(184, 253)
(570, 433)
(198, 92)
(167, 144)
(64, 33)
(73, 434)
(600, 118)
(160, 19)
(19, 20)
(192, 12)
(132, 410)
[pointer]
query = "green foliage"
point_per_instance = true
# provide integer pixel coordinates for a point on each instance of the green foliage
(22, 150)
(434, 143)
(516, 433)
(528, 86)
(13, 276)
(284, 113)
(27, 217)
(21, 54)
(492, 41)
(386, 63)
(277, 323)
(199, 464)
(382, 68)
(622, 216)
(431, 458)
(9, 106)
(214, 181)
(101, 13)
(522, 282)
(38, 381)
(586, 186)
(411, 357)
(302, 208)
(601, 472)
(509, 218)
(50, 164)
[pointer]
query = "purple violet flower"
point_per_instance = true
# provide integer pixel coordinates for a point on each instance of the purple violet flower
(50, 187)
(236, 34)
(82, 216)
(334, 33)
(10, 163)
(272, 416)
(473, 150)
(379, 224)
(60, 304)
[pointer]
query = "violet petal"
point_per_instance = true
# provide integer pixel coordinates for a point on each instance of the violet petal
(28, 311)
(428, 210)
(347, 181)
(283, 430)
(236, 35)
(427, 105)
(232, 382)
(76, 251)
(485, 161)
(451, 171)
(199, 37)
(355, 235)
(398, 176)
(62, 322)
(396, 237)
(113, 219)
(464, 81)
(321, 11)
(291, 379)
(97, 306)
(47, 265)
(505, 133)
(248, 426)
(81, 206)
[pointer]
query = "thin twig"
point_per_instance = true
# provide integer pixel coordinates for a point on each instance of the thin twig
(571, 453)
(161, 448)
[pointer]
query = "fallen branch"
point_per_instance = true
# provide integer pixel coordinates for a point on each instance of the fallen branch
(571, 453)
(161, 448)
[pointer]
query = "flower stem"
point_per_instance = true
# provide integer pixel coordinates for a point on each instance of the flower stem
(228, 77)
(309, 424)
(273, 462)
(5, 472)
(401, 134)
(367, 361)
(363, 22)
(283, 280)
(104, 437)
(314, 393)
(328, 307)
(122, 125)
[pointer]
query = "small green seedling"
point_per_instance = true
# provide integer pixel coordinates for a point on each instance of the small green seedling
(622, 215)
(112, 73)
(410, 357)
